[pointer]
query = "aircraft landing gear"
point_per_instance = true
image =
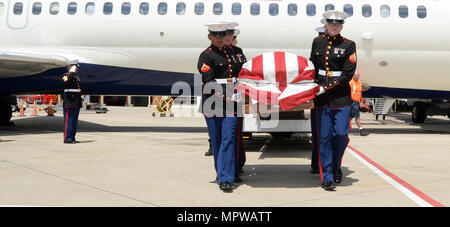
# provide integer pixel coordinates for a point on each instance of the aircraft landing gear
(5, 110)
(419, 112)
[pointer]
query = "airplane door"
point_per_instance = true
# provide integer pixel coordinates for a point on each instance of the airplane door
(18, 14)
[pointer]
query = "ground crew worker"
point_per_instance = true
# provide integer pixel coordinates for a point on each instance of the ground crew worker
(71, 102)
(356, 86)
(220, 111)
(238, 59)
(334, 59)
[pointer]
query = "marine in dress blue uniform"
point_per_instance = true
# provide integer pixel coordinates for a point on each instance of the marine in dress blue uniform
(218, 106)
(237, 59)
(71, 103)
(334, 59)
(313, 121)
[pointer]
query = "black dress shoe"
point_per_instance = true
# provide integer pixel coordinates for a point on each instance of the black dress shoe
(73, 142)
(329, 186)
(337, 177)
(226, 186)
(237, 179)
(314, 171)
(209, 152)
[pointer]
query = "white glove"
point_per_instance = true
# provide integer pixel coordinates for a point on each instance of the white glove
(322, 90)
(236, 97)
(73, 69)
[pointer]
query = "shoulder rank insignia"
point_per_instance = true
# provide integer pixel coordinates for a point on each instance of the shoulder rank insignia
(205, 68)
(352, 58)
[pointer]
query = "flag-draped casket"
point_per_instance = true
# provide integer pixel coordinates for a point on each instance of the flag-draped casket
(278, 78)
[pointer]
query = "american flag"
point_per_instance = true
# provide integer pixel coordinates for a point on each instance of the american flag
(278, 78)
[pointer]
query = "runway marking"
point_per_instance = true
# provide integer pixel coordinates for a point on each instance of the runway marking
(413, 193)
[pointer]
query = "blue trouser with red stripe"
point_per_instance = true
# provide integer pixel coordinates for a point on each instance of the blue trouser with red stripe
(240, 148)
(70, 124)
(315, 139)
(333, 126)
(222, 131)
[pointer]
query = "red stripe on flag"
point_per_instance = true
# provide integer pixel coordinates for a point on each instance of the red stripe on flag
(262, 96)
(302, 64)
(257, 65)
(280, 70)
(302, 73)
(297, 99)
(247, 74)
(305, 75)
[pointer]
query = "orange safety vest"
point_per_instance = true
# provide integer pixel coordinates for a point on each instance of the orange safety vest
(356, 88)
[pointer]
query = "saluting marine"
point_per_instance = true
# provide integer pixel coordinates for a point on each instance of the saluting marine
(334, 59)
(71, 102)
(214, 64)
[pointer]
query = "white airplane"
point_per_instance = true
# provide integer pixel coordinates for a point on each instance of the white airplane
(138, 47)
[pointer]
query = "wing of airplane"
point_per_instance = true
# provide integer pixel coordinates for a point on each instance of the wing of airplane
(16, 64)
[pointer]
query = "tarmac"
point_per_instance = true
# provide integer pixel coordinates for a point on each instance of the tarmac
(129, 158)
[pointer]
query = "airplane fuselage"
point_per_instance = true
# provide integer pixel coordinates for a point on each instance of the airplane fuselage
(393, 52)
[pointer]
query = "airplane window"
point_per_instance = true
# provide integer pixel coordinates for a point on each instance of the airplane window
(144, 8)
(162, 8)
(18, 8)
(72, 8)
(385, 11)
(348, 9)
(217, 8)
(126, 8)
(255, 9)
(329, 7)
(181, 8)
(2, 8)
(54, 8)
(366, 10)
(311, 10)
(273, 9)
(292, 9)
(108, 8)
(421, 12)
(90, 8)
(199, 8)
(403, 11)
(236, 9)
(37, 8)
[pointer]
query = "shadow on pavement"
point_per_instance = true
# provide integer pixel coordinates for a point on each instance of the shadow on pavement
(286, 176)
(44, 124)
